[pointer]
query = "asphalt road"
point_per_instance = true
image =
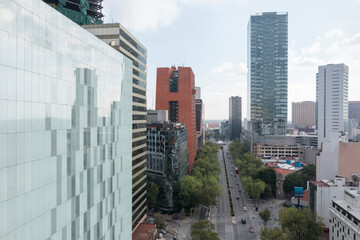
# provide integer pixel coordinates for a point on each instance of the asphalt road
(228, 227)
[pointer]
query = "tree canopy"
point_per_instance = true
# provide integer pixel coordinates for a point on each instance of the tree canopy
(152, 194)
(203, 230)
(300, 223)
(202, 186)
(160, 221)
(265, 215)
(299, 179)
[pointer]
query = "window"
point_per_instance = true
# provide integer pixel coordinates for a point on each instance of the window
(173, 111)
(174, 82)
(173, 85)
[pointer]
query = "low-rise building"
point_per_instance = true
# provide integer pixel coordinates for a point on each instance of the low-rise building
(168, 163)
(344, 218)
(281, 171)
(323, 192)
(303, 201)
(291, 147)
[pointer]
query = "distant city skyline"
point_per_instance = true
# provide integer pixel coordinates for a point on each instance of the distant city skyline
(210, 37)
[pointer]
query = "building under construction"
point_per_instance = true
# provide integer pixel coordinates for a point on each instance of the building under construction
(80, 11)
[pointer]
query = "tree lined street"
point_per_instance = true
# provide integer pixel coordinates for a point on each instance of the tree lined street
(229, 227)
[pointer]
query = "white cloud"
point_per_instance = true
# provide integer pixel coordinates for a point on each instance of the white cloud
(142, 15)
(330, 47)
(232, 70)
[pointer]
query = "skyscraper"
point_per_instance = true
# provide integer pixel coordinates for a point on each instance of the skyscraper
(235, 117)
(332, 101)
(121, 39)
(268, 73)
(354, 110)
(65, 129)
(175, 92)
(303, 113)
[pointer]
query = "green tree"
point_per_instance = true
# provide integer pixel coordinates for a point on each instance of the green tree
(160, 221)
(265, 215)
(272, 234)
(309, 172)
(300, 224)
(268, 176)
(190, 192)
(253, 187)
(293, 180)
(203, 230)
(152, 194)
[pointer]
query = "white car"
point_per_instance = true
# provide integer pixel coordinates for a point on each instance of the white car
(244, 209)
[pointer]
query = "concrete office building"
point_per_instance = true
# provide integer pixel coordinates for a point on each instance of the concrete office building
(167, 160)
(65, 129)
(322, 192)
(345, 216)
(297, 147)
(354, 111)
(332, 117)
(200, 118)
(200, 123)
(121, 39)
(303, 113)
(175, 92)
(235, 117)
(332, 87)
(268, 73)
(157, 116)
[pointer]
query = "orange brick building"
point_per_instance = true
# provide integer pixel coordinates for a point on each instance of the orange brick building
(175, 92)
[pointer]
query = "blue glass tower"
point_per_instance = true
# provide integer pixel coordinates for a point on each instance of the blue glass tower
(268, 73)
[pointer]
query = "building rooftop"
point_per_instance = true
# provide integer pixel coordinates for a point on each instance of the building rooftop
(144, 231)
(282, 168)
(354, 211)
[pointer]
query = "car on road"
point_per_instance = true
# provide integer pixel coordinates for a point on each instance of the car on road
(162, 231)
(239, 190)
(232, 186)
(231, 173)
(251, 229)
(243, 220)
(237, 197)
(244, 209)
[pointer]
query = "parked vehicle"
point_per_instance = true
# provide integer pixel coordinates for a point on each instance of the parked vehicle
(251, 229)
(243, 220)
(244, 209)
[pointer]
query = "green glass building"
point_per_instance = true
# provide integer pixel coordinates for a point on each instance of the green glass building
(268, 73)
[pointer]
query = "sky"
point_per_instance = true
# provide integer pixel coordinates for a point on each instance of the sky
(210, 36)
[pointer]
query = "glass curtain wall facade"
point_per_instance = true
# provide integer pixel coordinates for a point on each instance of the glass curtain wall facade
(119, 38)
(268, 73)
(65, 129)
